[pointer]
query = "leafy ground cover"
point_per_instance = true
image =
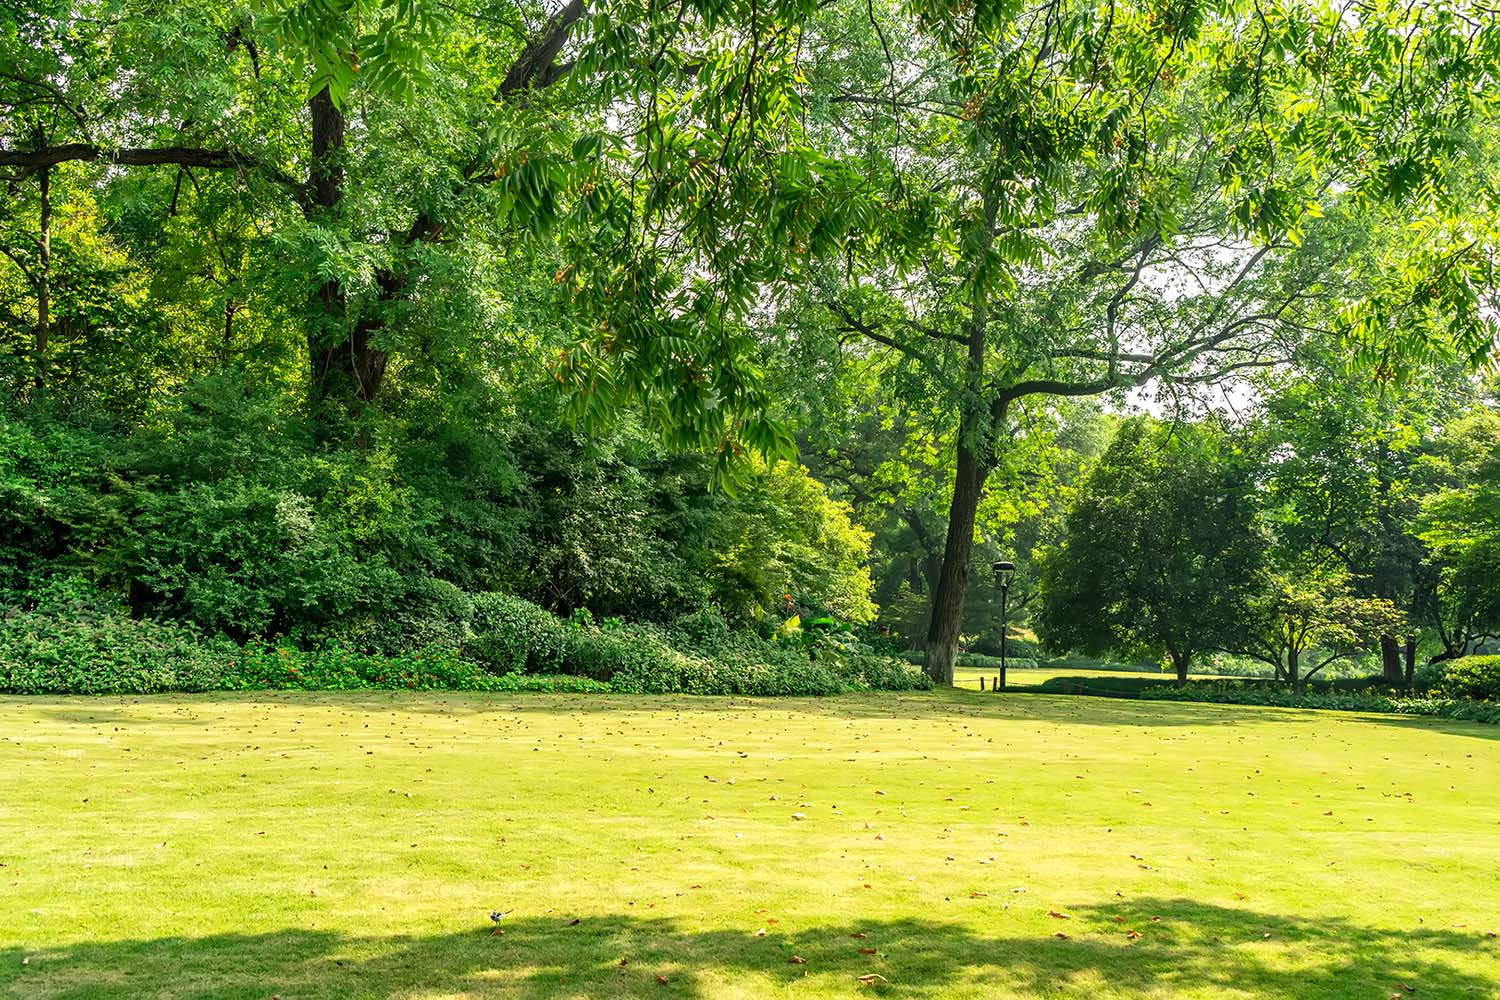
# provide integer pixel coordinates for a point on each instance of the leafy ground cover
(353, 844)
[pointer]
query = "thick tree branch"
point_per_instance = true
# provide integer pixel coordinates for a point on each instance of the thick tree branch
(537, 67)
(182, 156)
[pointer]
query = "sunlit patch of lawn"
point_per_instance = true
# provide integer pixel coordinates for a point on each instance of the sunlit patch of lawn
(943, 845)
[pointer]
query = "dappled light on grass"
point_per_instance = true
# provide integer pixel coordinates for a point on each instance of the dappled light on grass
(953, 845)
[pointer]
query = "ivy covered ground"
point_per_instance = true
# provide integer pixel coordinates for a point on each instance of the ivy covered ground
(354, 844)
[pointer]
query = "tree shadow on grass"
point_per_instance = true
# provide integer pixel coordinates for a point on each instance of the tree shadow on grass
(914, 707)
(1181, 944)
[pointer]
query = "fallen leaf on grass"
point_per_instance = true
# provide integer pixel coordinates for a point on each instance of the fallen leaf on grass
(867, 951)
(1132, 935)
(662, 980)
(859, 934)
(1059, 915)
(796, 960)
(574, 922)
(1060, 936)
(870, 978)
(1119, 920)
(624, 961)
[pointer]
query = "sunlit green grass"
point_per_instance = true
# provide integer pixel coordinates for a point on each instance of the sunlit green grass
(315, 846)
(968, 677)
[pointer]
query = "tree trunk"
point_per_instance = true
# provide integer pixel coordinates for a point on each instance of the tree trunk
(345, 368)
(1411, 659)
(1293, 666)
(1181, 662)
(976, 433)
(1390, 660)
(953, 582)
(44, 281)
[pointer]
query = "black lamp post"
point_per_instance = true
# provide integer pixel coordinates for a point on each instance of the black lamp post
(1003, 573)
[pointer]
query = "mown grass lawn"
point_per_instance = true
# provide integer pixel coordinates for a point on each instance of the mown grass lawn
(968, 677)
(307, 845)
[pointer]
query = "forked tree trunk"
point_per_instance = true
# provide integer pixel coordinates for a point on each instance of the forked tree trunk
(345, 368)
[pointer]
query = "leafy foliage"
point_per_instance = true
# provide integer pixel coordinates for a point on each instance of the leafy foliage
(1162, 554)
(1470, 677)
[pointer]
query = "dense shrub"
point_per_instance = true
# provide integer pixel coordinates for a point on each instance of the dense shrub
(1369, 700)
(1469, 677)
(236, 512)
(608, 654)
(682, 674)
(110, 653)
(432, 613)
(75, 642)
(512, 635)
(91, 652)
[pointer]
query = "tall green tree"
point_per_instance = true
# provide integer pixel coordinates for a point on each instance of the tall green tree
(1162, 555)
(1459, 522)
(1136, 196)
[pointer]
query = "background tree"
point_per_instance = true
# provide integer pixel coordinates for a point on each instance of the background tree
(1115, 199)
(1345, 481)
(1162, 555)
(1312, 608)
(1460, 524)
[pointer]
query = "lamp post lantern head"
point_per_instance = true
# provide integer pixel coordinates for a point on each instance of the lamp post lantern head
(1003, 572)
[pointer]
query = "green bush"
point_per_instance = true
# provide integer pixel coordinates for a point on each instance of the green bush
(111, 653)
(432, 613)
(1470, 677)
(75, 643)
(704, 629)
(1368, 700)
(605, 654)
(512, 635)
(882, 673)
(681, 674)
(106, 653)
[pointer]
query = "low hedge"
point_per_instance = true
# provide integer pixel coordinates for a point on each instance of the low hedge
(514, 648)
(1369, 700)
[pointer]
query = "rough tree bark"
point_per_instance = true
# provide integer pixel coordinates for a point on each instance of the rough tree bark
(953, 580)
(345, 367)
(1390, 660)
